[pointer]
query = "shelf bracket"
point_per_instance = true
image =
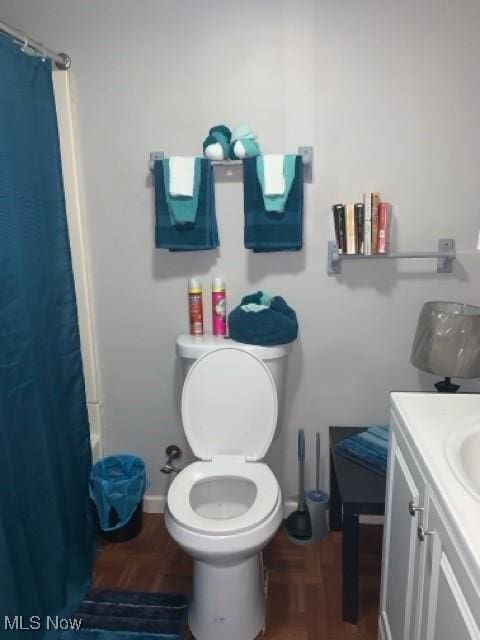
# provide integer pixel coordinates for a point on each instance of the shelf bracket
(307, 159)
(445, 256)
(334, 265)
(154, 156)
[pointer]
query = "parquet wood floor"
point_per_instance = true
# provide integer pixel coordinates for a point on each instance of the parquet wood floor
(304, 596)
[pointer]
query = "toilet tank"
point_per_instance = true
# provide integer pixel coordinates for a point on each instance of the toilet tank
(189, 348)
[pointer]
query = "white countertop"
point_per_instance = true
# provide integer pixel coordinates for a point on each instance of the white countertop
(427, 420)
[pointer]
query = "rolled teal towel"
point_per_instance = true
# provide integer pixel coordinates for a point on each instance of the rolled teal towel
(244, 143)
(223, 130)
(276, 203)
(243, 131)
(275, 323)
(245, 148)
(216, 145)
(182, 209)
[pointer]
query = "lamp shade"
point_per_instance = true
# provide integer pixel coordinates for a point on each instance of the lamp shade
(447, 340)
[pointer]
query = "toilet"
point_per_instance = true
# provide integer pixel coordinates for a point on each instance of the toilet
(225, 507)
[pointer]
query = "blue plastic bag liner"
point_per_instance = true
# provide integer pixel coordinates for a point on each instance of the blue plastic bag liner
(263, 320)
(117, 485)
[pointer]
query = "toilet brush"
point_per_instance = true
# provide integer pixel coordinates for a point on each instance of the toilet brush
(317, 501)
(298, 524)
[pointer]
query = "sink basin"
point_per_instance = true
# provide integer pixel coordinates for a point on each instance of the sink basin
(463, 455)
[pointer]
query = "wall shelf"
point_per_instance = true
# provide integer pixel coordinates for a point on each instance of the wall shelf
(305, 152)
(445, 255)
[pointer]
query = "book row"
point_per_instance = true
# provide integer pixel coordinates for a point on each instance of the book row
(363, 227)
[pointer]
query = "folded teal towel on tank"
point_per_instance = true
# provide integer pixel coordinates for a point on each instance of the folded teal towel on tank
(276, 203)
(200, 235)
(262, 320)
(182, 209)
(266, 231)
(368, 448)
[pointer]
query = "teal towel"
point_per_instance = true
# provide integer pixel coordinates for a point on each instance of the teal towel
(267, 231)
(182, 209)
(276, 204)
(275, 324)
(202, 235)
(368, 448)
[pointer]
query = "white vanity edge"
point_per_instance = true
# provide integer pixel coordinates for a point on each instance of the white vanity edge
(426, 420)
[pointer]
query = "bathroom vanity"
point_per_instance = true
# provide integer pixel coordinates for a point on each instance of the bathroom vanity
(431, 546)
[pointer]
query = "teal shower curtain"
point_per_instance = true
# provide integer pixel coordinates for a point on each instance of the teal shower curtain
(47, 543)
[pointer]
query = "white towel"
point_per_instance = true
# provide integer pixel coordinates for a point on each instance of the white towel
(273, 174)
(182, 173)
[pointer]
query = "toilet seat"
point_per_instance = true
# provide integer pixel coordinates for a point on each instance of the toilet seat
(229, 405)
(265, 501)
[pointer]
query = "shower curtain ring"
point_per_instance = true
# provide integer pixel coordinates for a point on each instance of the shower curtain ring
(25, 43)
(44, 54)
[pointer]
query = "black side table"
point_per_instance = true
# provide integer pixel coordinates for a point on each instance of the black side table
(354, 491)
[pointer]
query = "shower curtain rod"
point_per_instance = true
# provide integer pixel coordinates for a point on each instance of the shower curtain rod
(61, 60)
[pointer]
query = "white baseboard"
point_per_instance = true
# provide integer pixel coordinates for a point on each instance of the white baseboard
(156, 504)
(290, 505)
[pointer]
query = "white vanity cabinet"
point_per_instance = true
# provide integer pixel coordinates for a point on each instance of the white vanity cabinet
(427, 592)
(451, 606)
(403, 553)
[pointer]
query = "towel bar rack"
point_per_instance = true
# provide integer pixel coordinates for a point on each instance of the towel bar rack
(305, 152)
(445, 256)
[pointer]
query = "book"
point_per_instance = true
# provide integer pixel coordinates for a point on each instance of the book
(375, 204)
(367, 224)
(350, 227)
(359, 210)
(339, 223)
(383, 227)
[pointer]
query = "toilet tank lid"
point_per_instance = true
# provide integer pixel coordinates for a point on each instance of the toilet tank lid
(193, 347)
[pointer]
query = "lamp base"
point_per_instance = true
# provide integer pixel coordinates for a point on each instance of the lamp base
(446, 386)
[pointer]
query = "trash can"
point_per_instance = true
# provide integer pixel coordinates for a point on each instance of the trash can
(117, 485)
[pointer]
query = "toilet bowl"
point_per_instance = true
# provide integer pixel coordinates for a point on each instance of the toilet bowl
(224, 508)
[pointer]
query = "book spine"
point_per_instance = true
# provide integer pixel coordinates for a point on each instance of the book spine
(367, 226)
(375, 205)
(350, 226)
(359, 210)
(383, 227)
(339, 223)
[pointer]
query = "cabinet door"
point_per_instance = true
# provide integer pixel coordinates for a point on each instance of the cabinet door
(447, 614)
(402, 568)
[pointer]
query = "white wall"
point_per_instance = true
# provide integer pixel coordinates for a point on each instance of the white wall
(387, 93)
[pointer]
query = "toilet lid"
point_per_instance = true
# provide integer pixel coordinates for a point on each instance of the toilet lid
(229, 405)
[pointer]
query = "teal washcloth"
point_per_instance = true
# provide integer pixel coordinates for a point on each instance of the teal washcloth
(182, 209)
(223, 130)
(244, 143)
(276, 203)
(216, 145)
(246, 148)
(243, 131)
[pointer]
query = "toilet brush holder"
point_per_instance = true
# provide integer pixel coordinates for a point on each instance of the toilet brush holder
(317, 504)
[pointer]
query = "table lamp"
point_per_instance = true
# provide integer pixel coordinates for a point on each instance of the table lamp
(447, 342)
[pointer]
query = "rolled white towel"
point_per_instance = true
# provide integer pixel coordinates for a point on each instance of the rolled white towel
(273, 174)
(182, 174)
